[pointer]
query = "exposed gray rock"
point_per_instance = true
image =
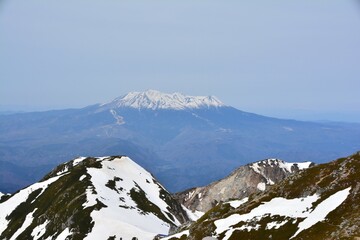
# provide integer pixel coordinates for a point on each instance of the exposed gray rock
(239, 184)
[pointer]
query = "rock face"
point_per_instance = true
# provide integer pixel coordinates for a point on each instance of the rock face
(239, 184)
(321, 202)
(91, 198)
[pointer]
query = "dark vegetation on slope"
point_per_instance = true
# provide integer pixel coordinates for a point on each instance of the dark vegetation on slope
(61, 204)
(63, 211)
(324, 180)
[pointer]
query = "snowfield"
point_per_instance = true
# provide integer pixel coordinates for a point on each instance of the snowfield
(8, 206)
(238, 203)
(286, 166)
(323, 209)
(193, 215)
(290, 208)
(122, 217)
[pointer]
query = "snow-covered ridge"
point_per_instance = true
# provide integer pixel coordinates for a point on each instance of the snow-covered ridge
(115, 196)
(289, 209)
(152, 99)
(286, 166)
(7, 207)
(246, 180)
(262, 168)
(125, 215)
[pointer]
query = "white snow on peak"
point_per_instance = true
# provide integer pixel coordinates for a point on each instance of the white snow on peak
(260, 168)
(273, 162)
(78, 160)
(122, 217)
(152, 99)
(1, 194)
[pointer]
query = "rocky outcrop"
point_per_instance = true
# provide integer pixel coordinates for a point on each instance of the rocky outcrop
(239, 184)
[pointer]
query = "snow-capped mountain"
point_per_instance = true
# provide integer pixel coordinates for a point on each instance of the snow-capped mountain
(321, 202)
(91, 198)
(154, 100)
(184, 141)
(240, 183)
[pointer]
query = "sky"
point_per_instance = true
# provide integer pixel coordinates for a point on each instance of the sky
(290, 59)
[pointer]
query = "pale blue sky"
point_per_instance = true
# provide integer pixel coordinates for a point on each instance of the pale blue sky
(282, 58)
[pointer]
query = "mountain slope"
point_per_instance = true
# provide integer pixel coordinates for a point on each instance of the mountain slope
(91, 198)
(318, 203)
(184, 140)
(239, 184)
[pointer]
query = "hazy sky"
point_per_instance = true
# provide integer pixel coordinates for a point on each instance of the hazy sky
(281, 57)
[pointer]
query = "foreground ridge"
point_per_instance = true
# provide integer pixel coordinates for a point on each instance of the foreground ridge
(91, 198)
(320, 202)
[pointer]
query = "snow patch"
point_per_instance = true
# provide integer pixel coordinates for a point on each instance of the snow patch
(289, 208)
(261, 186)
(289, 166)
(269, 181)
(38, 231)
(238, 203)
(294, 208)
(28, 220)
(63, 171)
(119, 119)
(82, 177)
(275, 225)
(258, 167)
(177, 235)
(189, 195)
(255, 167)
(63, 234)
(193, 215)
(303, 165)
(78, 160)
(323, 209)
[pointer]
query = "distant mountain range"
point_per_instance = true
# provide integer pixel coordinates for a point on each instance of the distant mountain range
(185, 141)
